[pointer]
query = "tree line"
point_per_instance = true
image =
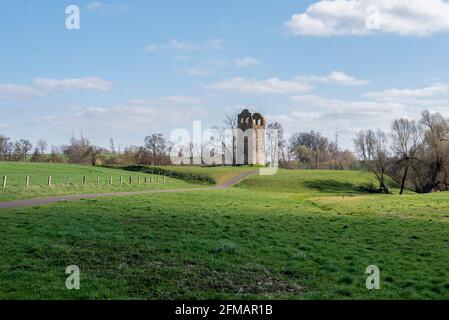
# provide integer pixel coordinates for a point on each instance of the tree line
(308, 150)
(415, 154)
(304, 150)
(155, 151)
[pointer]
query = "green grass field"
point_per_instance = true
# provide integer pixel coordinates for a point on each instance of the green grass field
(314, 182)
(296, 235)
(197, 175)
(68, 179)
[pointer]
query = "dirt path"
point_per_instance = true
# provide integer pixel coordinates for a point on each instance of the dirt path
(43, 201)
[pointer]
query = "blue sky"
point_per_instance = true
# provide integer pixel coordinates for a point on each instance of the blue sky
(140, 67)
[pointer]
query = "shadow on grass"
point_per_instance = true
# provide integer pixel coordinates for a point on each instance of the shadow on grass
(334, 186)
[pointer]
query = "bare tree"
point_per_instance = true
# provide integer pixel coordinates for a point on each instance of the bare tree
(275, 142)
(156, 146)
(78, 151)
(230, 122)
(55, 155)
(432, 165)
(380, 159)
(363, 143)
(94, 152)
(21, 149)
(4, 144)
(406, 139)
(373, 148)
(42, 146)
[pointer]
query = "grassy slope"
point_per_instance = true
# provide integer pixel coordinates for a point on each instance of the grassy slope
(218, 175)
(39, 173)
(313, 182)
(242, 242)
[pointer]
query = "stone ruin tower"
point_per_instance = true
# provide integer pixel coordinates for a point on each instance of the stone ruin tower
(251, 139)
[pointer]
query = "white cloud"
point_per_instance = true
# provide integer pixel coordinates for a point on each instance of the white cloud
(21, 91)
(206, 68)
(434, 90)
(132, 121)
(168, 100)
(175, 44)
(363, 17)
(89, 83)
(198, 71)
(246, 62)
(298, 84)
(5, 126)
(352, 106)
(45, 86)
(336, 77)
(312, 112)
(105, 8)
(94, 5)
(272, 85)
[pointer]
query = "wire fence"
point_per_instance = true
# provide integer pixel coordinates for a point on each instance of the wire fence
(28, 181)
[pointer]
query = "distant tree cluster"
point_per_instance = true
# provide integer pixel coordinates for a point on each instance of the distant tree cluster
(155, 151)
(414, 154)
(14, 151)
(314, 151)
(20, 151)
(308, 150)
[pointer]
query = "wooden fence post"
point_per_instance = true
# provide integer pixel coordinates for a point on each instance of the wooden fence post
(49, 181)
(84, 180)
(121, 180)
(98, 180)
(146, 181)
(27, 181)
(138, 180)
(110, 180)
(4, 181)
(130, 180)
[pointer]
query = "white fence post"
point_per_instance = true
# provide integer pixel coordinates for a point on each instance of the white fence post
(4, 181)
(49, 181)
(27, 181)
